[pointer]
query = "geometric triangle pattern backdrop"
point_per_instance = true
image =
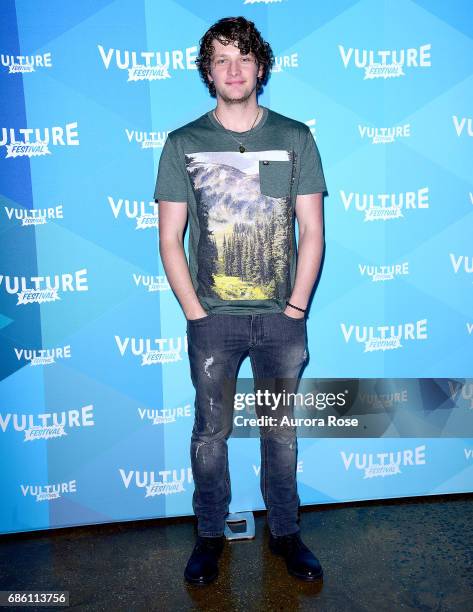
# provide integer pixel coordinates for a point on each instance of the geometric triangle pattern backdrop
(96, 401)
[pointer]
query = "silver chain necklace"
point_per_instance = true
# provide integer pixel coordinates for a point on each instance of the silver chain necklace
(242, 148)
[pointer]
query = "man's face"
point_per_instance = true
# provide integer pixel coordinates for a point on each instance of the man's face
(233, 74)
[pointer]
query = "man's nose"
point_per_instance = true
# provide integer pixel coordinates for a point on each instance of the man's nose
(234, 67)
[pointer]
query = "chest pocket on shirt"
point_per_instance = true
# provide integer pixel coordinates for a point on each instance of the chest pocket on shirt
(275, 178)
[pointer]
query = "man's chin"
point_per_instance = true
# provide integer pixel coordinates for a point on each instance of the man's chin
(235, 99)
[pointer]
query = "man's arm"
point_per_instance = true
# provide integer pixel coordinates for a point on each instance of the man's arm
(311, 243)
(172, 221)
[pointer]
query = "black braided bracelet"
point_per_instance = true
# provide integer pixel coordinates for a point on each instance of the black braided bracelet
(296, 307)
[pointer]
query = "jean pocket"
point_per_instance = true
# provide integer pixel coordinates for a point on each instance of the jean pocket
(274, 178)
(209, 316)
(292, 318)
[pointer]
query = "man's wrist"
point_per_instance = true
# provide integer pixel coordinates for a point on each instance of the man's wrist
(195, 312)
(296, 306)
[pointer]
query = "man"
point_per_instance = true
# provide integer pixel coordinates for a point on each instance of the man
(240, 171)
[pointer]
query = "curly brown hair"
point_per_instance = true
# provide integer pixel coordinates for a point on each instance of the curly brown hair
(242, 31)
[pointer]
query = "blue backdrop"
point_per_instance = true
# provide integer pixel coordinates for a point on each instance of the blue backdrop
(86, 423)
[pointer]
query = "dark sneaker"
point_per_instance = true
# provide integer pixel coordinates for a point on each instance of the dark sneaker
(202, 567)
(300, 561)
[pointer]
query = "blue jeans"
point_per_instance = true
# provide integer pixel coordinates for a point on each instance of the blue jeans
(277, 345)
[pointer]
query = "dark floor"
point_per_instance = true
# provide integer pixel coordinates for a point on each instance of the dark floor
(408, 554)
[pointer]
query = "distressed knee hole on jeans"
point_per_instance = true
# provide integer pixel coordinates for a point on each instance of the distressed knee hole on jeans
(208, 448)
(207, 363)
(197, 448)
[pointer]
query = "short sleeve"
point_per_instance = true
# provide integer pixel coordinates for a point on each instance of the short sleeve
(171, 180)
(311, 178)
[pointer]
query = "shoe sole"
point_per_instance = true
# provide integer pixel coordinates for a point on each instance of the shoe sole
(307, 578)
(197, 582)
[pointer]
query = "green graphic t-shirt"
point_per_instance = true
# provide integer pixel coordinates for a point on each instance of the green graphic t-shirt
(242, 247)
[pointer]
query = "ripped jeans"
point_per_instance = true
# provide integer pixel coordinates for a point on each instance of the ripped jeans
(277, 345)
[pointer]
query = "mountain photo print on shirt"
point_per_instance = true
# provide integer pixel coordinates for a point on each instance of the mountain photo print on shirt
(246, 223)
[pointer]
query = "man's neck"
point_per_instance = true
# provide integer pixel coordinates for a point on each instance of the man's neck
(239, 117)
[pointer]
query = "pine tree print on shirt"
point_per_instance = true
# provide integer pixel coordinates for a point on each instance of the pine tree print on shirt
(243, 249)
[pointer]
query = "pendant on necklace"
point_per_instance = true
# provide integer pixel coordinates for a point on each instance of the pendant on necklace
(242, 149)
